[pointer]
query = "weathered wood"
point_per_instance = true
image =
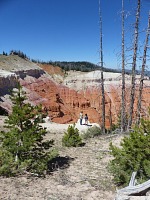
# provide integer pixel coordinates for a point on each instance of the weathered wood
(134, 63)
(133, 198)
(123, 114)
(102, 77)
(142, 72)
(132, 180)
(132, 189)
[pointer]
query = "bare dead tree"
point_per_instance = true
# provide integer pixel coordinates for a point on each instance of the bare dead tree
(135, 48)
(139, 103)
(102, 77)
(123, 123)
(110, 117)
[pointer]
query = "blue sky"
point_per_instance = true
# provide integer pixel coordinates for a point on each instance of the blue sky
(68, 30)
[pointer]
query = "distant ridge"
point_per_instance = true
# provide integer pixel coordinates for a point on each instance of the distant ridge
(83, 66)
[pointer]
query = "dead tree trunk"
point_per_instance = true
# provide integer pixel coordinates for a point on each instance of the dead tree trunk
(142, 72)
(110, 117)
(132, 189)
(102, 77)
(123, 121)
(132, 94)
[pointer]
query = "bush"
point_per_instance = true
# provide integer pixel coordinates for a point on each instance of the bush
(71, 138)
(134, 155)
(92, 132)
(22, 148)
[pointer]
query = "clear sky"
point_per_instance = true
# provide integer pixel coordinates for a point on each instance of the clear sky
(68, 30)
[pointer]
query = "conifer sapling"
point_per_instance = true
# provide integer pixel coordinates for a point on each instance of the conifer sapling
(22, 147)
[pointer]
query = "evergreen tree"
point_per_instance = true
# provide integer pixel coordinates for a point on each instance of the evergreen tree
(22, 148)
(72, 138)
(5, 54)
(134, 155)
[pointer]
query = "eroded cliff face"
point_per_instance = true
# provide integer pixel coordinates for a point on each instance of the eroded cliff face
(89, 85)
(12, 69)
(64, 96)
(62, 104)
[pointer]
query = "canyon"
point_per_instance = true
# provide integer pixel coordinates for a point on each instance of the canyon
(63, 94)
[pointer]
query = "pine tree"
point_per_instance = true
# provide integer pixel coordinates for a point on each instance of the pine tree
(22, 147)
(72, 138)
(134, 155)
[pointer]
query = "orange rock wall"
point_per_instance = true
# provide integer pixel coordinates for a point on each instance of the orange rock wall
(64, 104)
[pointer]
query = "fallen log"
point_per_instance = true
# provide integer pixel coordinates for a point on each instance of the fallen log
(132, 189)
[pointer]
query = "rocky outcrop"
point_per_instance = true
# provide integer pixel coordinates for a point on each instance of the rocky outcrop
(63, 96)
(62, 104)
(7, 82)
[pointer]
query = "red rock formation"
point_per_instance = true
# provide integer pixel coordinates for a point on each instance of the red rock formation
(64, 104)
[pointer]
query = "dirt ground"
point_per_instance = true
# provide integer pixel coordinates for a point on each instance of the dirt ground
(81, 174)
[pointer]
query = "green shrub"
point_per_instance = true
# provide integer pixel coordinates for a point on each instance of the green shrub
(22, 147)
(92, 132)
(71, 138)
(134, 155)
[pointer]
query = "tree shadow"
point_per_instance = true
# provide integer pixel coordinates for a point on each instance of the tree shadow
(59, 163)
(87, 124)
(82, 144)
